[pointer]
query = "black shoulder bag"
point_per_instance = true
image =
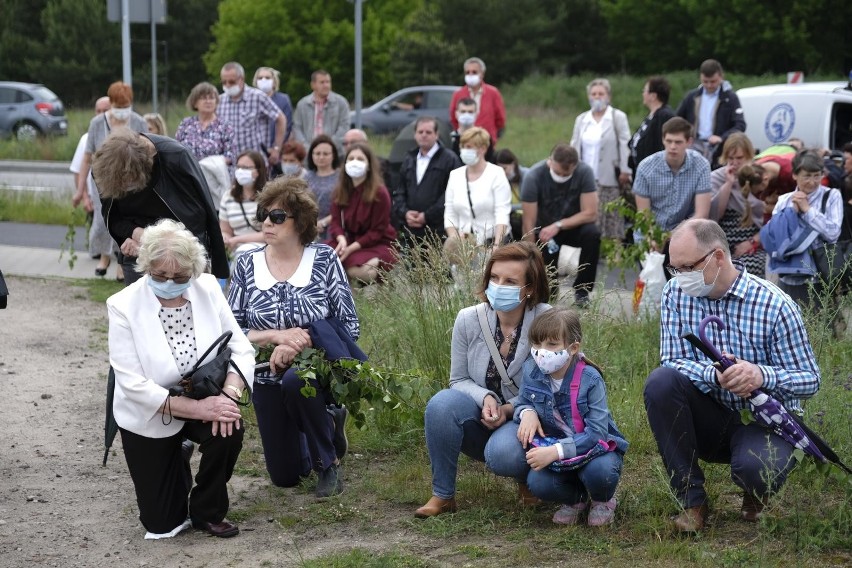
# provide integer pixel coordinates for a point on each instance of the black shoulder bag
(209, 379)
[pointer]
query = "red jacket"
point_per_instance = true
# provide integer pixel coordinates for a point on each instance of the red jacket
(491, 114)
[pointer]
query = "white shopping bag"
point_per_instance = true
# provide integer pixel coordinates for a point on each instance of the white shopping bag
(569, 261)
(649, 286)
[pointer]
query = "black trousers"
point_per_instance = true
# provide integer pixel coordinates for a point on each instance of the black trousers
(162, 477)
(687, 425)
(588, 239)
(286, 419)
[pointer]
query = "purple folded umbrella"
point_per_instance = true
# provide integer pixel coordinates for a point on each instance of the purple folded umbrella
(767, 410)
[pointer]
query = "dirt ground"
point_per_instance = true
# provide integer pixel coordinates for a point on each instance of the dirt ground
(60, 507)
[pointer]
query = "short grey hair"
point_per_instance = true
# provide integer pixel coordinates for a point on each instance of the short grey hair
(476, 60)
(234, 66)
(170, 241)
(602, 82)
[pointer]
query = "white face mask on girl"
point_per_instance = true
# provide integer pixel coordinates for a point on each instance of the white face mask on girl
(244, 176)
(355, 168)
(550, 361)
(468, 156)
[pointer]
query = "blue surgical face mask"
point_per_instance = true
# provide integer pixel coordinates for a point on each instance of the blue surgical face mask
(169, 289)
(290, 169)
(503, 298)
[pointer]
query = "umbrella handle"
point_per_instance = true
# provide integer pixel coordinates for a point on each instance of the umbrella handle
(724, 361)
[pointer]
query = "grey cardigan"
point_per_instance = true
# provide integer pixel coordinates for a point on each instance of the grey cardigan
(470, 356)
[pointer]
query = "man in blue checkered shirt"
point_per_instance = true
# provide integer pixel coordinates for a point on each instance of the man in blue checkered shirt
(693, 409)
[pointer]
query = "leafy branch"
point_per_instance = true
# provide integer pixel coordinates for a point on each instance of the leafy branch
(629, 256)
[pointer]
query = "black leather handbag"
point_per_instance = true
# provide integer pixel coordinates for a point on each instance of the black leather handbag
(209, 379)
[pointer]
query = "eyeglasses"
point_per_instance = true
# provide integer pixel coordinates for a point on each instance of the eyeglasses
(688, 267)
(277, 216)
(177, 278)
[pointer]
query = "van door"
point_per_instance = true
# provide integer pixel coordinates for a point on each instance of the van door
(841, 125)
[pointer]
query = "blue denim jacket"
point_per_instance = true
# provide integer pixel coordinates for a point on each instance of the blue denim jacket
(591, 403)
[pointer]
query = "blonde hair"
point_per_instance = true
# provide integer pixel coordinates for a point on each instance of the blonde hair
(599, 82)
(154, 119)
(739, 141)
(476, 136)
(123, 164)
(169, 241)
(276, 77)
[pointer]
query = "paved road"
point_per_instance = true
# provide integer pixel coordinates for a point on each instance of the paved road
(39, 176)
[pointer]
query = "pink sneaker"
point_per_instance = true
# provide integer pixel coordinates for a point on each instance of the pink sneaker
(602, 512)
(569, 514)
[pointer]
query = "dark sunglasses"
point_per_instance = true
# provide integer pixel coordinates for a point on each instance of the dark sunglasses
(277, 216)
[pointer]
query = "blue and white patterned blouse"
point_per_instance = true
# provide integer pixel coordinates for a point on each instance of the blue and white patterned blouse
(317, 290)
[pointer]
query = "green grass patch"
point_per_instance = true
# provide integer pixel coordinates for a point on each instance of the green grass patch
(361, 558)
(38, 207)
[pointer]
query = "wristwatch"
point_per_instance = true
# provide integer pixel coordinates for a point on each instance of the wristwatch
(558, 224)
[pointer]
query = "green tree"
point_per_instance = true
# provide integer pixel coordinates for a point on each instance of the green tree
(20, 34)
(299, 37)
(423, 55)
(81, 53)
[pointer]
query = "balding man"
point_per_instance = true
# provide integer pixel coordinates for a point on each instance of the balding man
(250, 112)
(693, 408)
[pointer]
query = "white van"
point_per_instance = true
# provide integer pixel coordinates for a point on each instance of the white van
(818, 113)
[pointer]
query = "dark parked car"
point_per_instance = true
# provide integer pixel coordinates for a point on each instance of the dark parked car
(397, 110)
(28, 110)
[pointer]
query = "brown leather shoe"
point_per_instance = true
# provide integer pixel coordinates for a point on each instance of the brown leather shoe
(225, 529)
(525, 496)
(691, 519)
(436, 506)
(752, 508)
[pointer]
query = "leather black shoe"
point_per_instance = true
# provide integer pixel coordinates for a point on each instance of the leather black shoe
(225, 529)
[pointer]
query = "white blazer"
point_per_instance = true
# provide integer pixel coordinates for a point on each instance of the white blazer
(142, 359)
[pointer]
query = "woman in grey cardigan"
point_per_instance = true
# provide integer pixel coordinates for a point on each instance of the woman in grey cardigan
(474, 415)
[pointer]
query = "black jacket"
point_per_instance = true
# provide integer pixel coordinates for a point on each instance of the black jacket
(428, 195)
(729, 116)
(648, 138)
(177, 190)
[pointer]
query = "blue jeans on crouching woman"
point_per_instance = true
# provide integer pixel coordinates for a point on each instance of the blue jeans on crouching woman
(453, 427)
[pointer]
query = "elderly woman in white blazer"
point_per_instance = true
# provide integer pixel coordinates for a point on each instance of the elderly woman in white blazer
(474, 415)
(158, 326)
(600, 136)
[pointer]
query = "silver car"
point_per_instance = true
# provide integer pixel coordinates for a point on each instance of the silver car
(28, 110)
(397, 110)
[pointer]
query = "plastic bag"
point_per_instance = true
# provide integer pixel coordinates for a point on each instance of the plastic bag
(569, 261)
(649, 286)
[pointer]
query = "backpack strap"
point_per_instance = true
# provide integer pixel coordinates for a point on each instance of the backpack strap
(579, 425)
(825, 197)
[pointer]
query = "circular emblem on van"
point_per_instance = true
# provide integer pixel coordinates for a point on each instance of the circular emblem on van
(779, 123)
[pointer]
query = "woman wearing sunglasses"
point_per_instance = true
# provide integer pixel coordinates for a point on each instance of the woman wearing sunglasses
(276, 293)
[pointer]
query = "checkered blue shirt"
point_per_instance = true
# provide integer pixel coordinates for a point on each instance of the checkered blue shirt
(762, 326)
(250, 116)
(672, 194)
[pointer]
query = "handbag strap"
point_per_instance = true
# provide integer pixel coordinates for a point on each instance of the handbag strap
(218, 343)
(492, 346)
(579, 425)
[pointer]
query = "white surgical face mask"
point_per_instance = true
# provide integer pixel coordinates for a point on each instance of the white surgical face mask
(465, 119)
(290, 169)
(244, 176)
(468, 156)
(472, 80)
(265, 84)
(692, 283)
(122, 114)
(232, 91)
(355, 168)
(558, 178)
(598, 105)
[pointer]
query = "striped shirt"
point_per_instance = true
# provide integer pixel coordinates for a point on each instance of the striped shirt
(317, 290)
(762, 326)
(240, 215)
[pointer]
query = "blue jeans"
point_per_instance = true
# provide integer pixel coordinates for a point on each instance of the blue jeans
(596, 480)
(453, 427)
(688, 425)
